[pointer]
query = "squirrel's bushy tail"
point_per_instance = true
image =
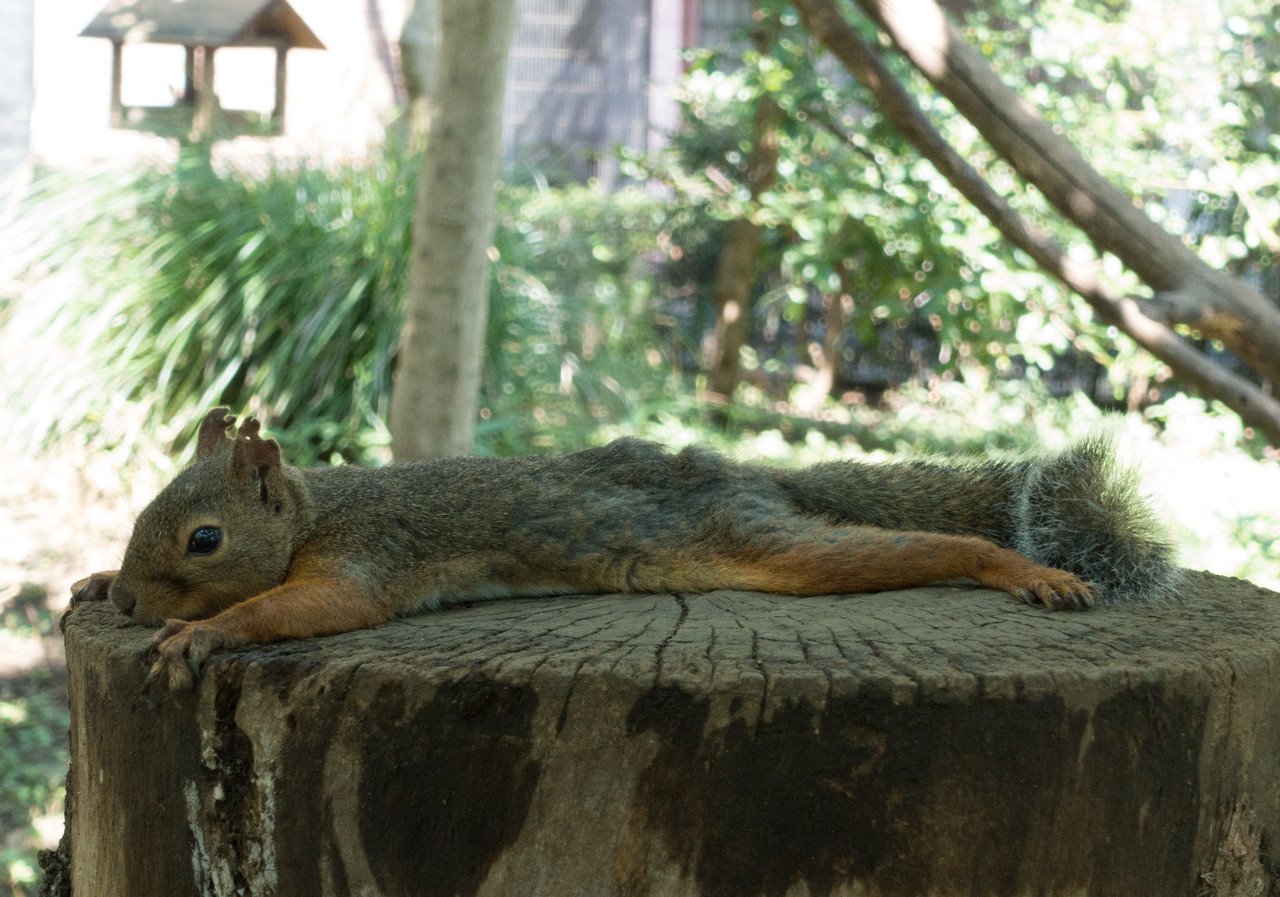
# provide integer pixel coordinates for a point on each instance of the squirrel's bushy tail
(1082, 511)
(1079, 510)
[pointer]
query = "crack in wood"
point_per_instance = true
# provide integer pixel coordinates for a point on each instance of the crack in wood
(661, 650)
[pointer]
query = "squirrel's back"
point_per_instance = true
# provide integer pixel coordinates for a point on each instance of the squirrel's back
(1078, 510)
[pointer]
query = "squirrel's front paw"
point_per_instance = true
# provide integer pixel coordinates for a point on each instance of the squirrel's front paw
(181, 648)
(93, 587)
(1056, 590)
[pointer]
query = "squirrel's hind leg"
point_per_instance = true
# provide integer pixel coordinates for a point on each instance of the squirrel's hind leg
(837, 560)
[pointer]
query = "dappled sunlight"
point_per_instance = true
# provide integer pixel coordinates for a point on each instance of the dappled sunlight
(928, 25)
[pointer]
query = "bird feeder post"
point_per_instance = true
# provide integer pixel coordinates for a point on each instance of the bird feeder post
(189, 75)
(206, 99)
(282, 70)
(117, 77)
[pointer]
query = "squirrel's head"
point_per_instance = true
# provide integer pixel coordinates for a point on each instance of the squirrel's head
(221, 532)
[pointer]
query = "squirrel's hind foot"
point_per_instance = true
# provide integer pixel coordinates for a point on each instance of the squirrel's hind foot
(1065, 592)
(1033, 583)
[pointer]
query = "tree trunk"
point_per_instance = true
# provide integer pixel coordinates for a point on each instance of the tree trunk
(825, 355)
(1254, 406)
(828, 364)
(437, 380)
(1187, 291)
(736, 269)
(735, 279)
(931, 741)
(419, 60)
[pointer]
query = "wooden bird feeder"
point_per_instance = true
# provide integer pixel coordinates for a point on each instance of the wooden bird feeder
(201, 27)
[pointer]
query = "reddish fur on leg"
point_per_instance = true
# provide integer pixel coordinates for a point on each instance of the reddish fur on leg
(304, 607)
(299, 608)
(872, 560)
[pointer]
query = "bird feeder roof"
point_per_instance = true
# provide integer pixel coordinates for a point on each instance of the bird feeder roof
(203, 23)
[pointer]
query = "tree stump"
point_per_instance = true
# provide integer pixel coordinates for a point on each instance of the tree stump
(933, 741)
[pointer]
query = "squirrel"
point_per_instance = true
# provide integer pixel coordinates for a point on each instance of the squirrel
(241, 548)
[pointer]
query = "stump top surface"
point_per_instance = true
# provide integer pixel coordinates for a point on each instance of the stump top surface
(929, 741)
(948, 642)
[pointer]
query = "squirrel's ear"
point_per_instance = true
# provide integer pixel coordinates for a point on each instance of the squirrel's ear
(252, 451)
(213, 432)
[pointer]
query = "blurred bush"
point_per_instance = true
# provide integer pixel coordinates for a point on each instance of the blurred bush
(1172, 101)
(279, 290)
(149, 295)
(182, 288)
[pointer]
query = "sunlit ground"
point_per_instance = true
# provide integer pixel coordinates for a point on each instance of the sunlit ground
(60, 514)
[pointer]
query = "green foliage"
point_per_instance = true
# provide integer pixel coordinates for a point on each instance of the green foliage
(855, 212)
(280, 291)
(572, 336)
(1178, 102)
(196, 287)
(1172, 101)
(33, 765)
(33, 740)
(157, 293)
(168, 291)
(1179, 116)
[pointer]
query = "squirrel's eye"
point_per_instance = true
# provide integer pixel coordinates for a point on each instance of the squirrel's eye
(205, 540)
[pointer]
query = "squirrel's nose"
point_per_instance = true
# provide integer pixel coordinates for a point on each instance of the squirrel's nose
(122, 598)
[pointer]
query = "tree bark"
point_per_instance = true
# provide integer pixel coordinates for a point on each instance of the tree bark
(737, 267)
(722, 744)
(731, 294)
(1255, 407)
(419, 60)
(1187, 291)
(437, 379)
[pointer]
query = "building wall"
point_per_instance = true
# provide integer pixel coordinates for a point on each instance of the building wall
(583, 75)
(720, 22)
(576, 80)
(16, 24)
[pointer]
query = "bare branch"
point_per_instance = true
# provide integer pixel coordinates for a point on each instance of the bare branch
(1258, 409)
(1224, 308)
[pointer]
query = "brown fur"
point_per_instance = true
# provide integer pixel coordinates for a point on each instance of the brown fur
(308, 552)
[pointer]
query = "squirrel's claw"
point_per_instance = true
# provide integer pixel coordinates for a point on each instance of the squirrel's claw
(1063, 592)
(181, 648)
(173, 676)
